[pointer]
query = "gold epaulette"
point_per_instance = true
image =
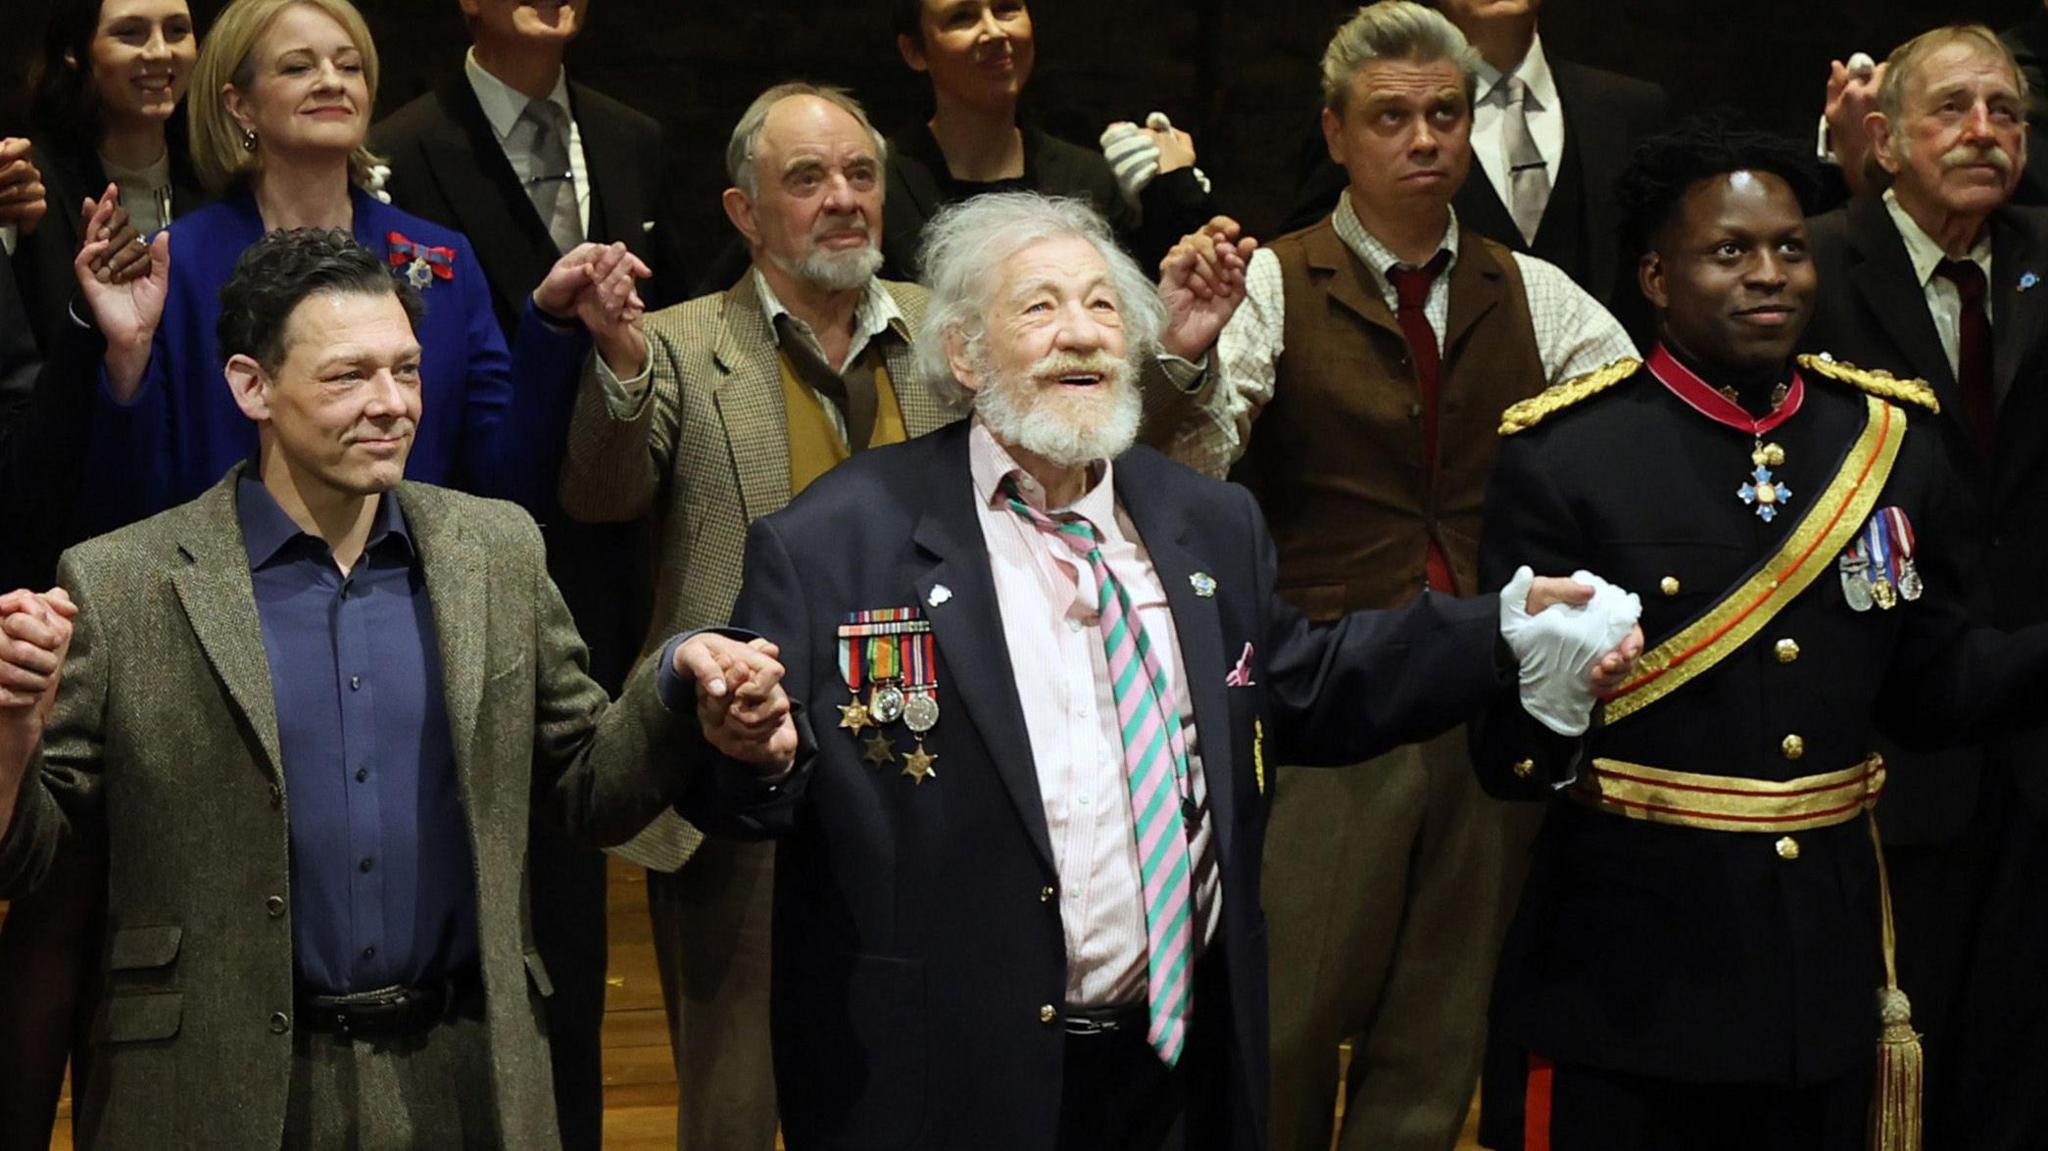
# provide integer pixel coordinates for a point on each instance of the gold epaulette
(1883, 385)
(1526, 414)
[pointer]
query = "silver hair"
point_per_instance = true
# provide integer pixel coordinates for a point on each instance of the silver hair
(964, 250)
(746, 135)
(1395, 30)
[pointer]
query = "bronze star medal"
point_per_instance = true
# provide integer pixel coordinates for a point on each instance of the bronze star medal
(854, 716)
(918, 765)
(879, 752)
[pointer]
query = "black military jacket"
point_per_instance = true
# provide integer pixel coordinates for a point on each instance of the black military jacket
(1714, 956)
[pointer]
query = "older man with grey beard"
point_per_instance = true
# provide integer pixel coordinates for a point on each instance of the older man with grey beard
(1037, 669)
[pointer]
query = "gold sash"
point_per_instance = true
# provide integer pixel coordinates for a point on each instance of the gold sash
(1726, 803)
(1834, 519)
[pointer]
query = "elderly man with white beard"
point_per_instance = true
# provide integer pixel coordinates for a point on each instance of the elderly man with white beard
(1036, 673)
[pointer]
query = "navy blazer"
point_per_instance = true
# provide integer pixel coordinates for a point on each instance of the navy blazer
(492, 423)
(917, 931)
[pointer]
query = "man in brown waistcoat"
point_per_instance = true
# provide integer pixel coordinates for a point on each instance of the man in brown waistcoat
(1376, 351)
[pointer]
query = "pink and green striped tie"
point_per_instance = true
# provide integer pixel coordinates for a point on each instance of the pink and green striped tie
(1156, 774)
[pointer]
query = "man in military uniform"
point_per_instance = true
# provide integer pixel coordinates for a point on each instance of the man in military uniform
(1701, 950)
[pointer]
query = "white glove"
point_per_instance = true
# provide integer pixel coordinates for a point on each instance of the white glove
(1134, 158)
(1558, 646)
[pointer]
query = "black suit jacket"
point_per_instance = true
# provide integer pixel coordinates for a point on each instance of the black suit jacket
(446, 165)
(1872, 312)
(917, 925)
(1605, 115)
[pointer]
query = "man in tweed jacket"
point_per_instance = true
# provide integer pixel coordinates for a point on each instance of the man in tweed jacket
(744, 397)
(305, 716)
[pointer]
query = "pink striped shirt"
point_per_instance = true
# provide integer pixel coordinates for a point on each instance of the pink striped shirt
(1047, 594)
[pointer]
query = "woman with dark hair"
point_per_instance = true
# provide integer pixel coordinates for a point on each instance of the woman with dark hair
(979, 55)
(106, 107)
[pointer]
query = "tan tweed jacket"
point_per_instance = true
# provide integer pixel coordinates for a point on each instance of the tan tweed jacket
(703, 454)
(164, 748)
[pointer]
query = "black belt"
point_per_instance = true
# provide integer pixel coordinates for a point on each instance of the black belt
(1106, 1020)
(396, 1010)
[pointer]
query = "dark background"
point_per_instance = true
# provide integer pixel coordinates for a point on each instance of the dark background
(1239, 74)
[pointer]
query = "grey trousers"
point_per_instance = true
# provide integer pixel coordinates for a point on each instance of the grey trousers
(417, 1091)
(1388, 886)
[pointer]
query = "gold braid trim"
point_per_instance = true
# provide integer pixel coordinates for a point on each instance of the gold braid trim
(1528, 413)
(1882, 384)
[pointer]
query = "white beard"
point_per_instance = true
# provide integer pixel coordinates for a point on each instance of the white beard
(1069, 431)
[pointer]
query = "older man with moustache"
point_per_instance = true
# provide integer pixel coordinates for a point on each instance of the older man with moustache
(1017, 895)
(740, 400)
(1935, 277)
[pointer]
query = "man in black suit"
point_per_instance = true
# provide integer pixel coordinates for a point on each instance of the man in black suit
(528, 164)
(968, 952)
(1936, 277)
(1582, 122)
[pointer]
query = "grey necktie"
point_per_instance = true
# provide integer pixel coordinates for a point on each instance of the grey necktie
(550, 183)
(1528, 177)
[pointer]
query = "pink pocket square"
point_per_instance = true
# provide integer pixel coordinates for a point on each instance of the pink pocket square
(1241, 675)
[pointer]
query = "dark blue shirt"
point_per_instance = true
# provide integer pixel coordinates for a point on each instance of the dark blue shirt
(383, 889)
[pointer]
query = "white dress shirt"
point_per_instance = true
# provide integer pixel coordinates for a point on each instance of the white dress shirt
(1944, 300)
(1046, 594)
(1546, 120)
(1574, 335)
(503, 106)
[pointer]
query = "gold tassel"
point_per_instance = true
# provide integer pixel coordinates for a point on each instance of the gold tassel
(1895, 1101)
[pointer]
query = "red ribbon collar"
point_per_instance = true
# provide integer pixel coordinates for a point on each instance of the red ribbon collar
(1703, 398)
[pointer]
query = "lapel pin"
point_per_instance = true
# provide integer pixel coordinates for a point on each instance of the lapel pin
(2028, 280)
(1204, 584)
(940, 594)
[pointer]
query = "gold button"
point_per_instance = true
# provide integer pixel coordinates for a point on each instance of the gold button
(1793, 747)
(1524, 768)
(1046, 1013)
(1788, 848)
(1669, 584)
(1788, 650)
(1045, 894)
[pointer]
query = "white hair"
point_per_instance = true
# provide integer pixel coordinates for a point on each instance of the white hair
(965, 249)
(1395, 30)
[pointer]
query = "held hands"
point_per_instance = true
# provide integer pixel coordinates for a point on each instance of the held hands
(598, 284)
(23, 199)
(740, 702)
(35, 636)
(127, 313)
(1202, 281)
(1575, 639)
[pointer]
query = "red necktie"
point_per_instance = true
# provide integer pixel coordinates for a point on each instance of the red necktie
(1411, 288)
(1973, 350)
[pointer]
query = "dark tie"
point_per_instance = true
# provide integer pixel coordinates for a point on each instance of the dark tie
(550, 182)
(1973, 349)
(850, 389)
(1411, 288)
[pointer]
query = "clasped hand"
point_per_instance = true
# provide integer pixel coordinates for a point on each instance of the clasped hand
(741, 705)
(1574, 640)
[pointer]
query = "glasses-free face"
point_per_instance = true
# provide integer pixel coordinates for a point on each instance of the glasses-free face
(142, 55)
(307, 92)
(1731, 277)
(979, 52)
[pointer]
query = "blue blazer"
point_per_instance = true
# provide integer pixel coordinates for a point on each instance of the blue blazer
(492, 423)
(917, 930)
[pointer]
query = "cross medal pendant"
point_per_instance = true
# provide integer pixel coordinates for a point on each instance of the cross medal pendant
(1763, 491)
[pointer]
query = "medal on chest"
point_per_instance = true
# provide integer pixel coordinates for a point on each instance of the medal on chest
(1877, 569)
(893, 655)
(1761, 489)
